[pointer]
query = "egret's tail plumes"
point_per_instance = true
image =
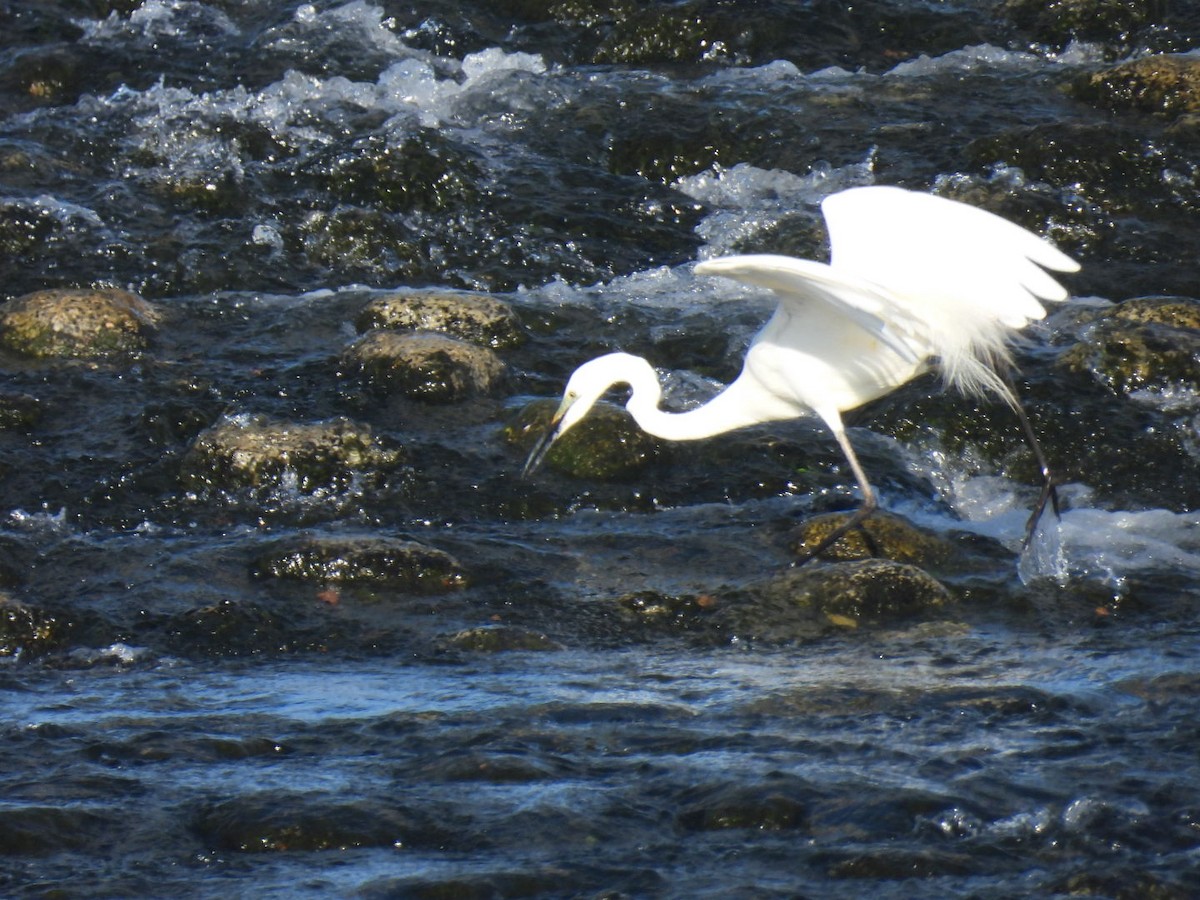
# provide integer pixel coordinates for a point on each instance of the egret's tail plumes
(969, 277)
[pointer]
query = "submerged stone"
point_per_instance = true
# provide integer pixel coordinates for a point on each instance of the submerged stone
(863, 591)
(1061, 21)
(732, 806)
(78, 323)
(807, 603)
(407, 565)
(27, 631)
(881, 535)
(471, 316)
(607, 444)
(228, 628)
(501, 639)
(278, 821)
(252, 451)
(423, 365)
(19, 411)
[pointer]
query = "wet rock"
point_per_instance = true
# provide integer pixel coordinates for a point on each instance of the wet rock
(607, 444)
(1167, 83)
(19, 411)
(657, 610)
(808, 602)
(1123, 886)
(427, 172)
(475, 317)
(364, 241)
(1117, 168)
(733, 806)
(867, 591)
(406, 565)
(44, 829)
(82, 324)
(1061, 21)
(501, 639)
(484, 766)
(252, 451)
(228, 628)
(28, 631)
(1148, 343)
(881, 535)
(426, 366)
(1173, 312)
(280, 822)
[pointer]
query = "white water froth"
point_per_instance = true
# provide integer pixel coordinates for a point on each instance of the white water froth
(747, 200)
(1087, 542)
(987, 58)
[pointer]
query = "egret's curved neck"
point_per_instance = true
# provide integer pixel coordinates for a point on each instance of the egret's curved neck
(731, 409)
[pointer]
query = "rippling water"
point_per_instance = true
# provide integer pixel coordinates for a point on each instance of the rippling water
(262, 169)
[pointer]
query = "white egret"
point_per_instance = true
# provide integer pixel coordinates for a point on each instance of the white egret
(914, 282)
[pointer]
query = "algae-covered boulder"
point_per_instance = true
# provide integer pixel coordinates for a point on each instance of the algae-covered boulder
(867, 591)
(382, 561)
(228, 628)
(423, 365)
(810, 602)
(26, 630)
(253, 451)
(19, 411)
(607, 444)
(502, 639)
(469, 315)
(880, 535)
(1147, 343)
(78, 323)
(1168, 83)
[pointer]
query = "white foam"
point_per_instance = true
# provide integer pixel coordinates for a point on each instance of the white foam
(746, 200)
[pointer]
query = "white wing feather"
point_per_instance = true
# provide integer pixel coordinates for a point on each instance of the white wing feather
(804, 281)
(928, 276)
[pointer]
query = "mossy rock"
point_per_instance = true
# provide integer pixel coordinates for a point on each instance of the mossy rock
(1174, 312)
(869, 590)
(881, 535)
(228, 628)
(19, 411)
(27, 631)
(423, 365)
(725, 807)
(275, 821)
(407, 565)
(812, 601)
(475, 317)
(1167, 83)
(253, 451)
(1148, 343)
(606, 445)
(502, 639)
(78, 323)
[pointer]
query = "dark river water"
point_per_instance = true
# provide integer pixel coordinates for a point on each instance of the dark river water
(595, 696)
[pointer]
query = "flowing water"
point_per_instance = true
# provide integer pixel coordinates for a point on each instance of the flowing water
(262, 168)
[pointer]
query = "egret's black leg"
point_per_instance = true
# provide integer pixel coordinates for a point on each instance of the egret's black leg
(860, 515)
(1049, 488)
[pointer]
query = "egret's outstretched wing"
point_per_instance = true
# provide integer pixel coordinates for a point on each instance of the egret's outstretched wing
(946, 258)
(803, 281)
(969, 276)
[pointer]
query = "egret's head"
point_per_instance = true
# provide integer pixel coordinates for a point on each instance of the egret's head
(585, 387)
